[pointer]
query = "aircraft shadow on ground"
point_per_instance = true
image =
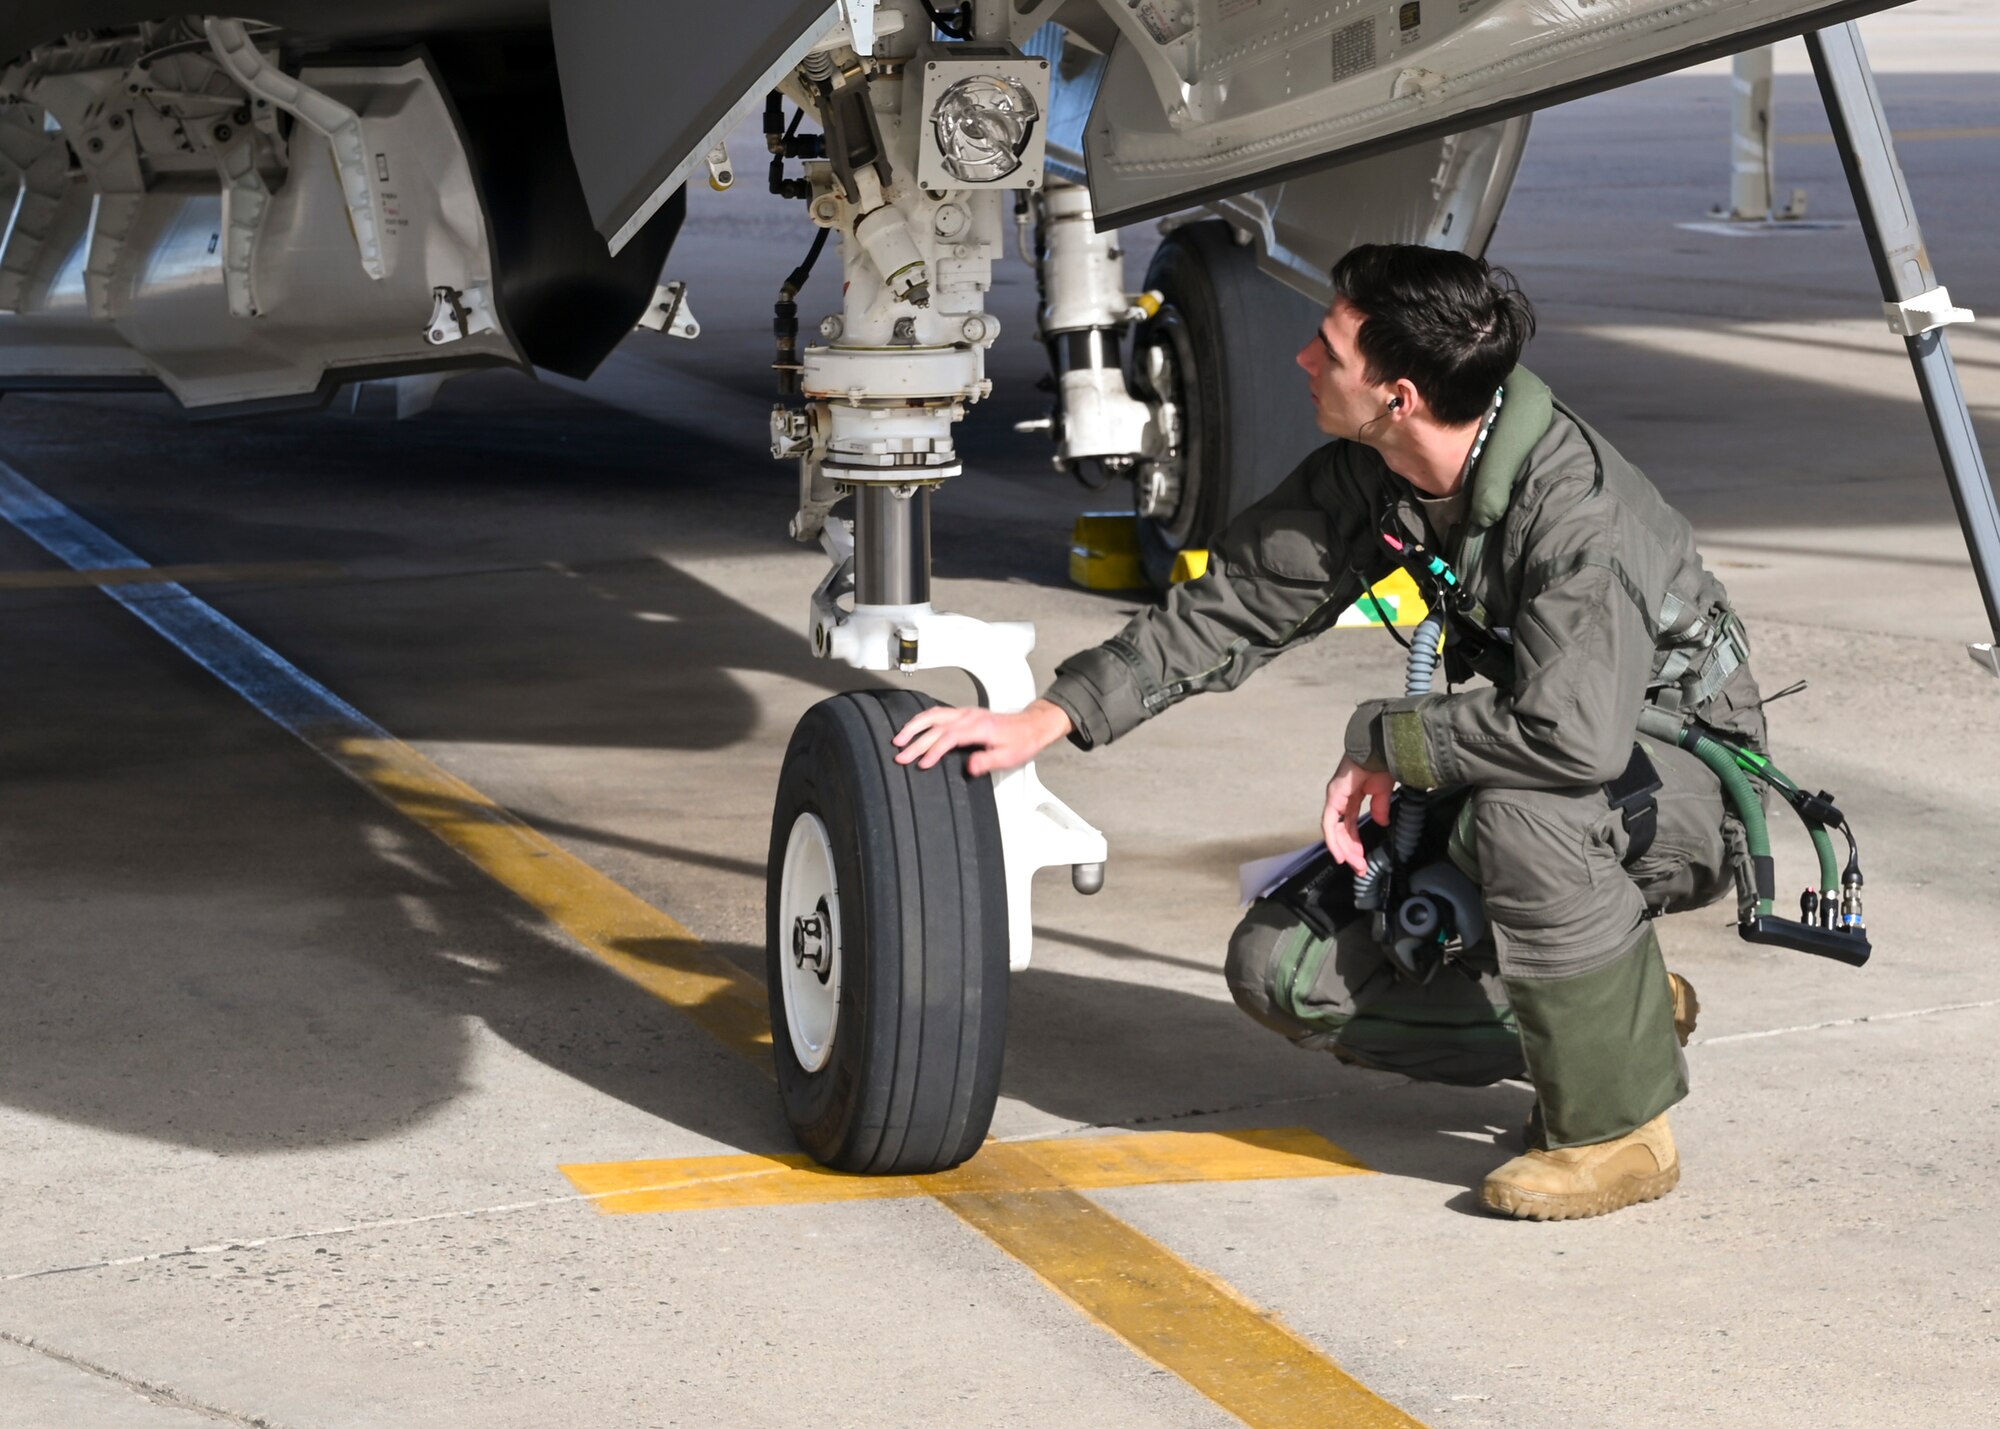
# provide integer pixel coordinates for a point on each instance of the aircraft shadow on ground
(351, 1019)
(358, 1015)
(207, 1019)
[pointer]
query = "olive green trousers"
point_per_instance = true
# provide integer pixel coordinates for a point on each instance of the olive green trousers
(1568, 990)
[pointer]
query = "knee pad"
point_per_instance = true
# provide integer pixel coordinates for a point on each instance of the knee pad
(1266, 939)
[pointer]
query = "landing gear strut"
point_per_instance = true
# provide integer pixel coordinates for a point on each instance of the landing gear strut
(898, 898)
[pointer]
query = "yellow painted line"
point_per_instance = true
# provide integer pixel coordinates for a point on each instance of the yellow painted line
(1025, 1197)
(617, 926)
(168, 575)
(612, 923)
(1904, 136)
(1180, 1317)
(1077, 1163)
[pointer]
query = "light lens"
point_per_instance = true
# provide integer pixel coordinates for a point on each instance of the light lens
(983, 125)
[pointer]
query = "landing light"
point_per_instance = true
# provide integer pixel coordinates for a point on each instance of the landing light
(984, 126)
(984, 111)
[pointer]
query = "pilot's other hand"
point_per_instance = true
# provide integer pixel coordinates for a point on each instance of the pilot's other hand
(999, 741)
(1350, 787)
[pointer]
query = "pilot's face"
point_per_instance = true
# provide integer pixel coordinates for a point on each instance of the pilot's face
(1343, 399)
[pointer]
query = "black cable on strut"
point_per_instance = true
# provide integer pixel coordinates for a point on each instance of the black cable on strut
(805, 270)
(956, 23)
(1091, 462)
(785, 319)
(787, 144)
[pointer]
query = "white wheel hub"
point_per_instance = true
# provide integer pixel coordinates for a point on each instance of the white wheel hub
(809, 942)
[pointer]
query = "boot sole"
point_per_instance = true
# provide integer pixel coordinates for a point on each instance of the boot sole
(1543, 1206)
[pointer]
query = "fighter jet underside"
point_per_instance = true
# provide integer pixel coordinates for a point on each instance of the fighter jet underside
(249, 211)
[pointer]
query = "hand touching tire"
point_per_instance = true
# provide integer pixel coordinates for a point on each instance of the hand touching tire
(999, 741)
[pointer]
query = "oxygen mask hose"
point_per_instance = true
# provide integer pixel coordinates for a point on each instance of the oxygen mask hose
(1407, 824)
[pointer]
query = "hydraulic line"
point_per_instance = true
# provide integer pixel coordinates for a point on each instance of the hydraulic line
(1829, 865)
(954, 24)
(785, 320)
(1407, 824)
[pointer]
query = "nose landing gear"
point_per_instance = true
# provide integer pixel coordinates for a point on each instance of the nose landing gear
(898, 898)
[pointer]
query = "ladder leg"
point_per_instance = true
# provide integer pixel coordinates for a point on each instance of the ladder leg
(1916, 304)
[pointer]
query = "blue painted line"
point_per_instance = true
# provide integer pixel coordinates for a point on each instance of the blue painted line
(281, 690)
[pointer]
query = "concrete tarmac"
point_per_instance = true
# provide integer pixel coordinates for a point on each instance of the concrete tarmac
(287, 1084)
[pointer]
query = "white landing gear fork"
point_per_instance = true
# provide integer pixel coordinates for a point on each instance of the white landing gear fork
(898, 899)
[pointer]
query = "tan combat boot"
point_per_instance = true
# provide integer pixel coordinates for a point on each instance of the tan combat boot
(1576, 1181)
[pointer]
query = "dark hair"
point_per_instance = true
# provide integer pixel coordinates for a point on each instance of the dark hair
(1451, 323)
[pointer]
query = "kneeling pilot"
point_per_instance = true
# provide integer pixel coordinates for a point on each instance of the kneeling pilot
(1578, 595)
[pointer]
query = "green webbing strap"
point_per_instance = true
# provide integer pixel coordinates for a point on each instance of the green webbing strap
(1722, 663)
(1725, 650)
(1681, 621)
(1408, 751)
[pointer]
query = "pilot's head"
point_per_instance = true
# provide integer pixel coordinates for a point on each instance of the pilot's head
(1414, 334)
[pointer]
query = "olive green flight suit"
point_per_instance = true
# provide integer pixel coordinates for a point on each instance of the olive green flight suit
(1585, 598)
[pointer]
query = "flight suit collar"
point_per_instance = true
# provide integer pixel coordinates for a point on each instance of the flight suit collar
(1523, 421)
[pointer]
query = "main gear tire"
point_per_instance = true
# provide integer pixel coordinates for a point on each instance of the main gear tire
(886, 943)
(1227, 333)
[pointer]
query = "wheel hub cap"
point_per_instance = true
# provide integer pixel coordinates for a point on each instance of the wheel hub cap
(809, 914)
(809, 943)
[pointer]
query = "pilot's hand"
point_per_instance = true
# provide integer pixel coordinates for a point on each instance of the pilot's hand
(1349, 788)
(999, 741)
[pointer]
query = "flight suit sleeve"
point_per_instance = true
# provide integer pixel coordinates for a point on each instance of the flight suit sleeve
(1279, 574)
(1583, 651)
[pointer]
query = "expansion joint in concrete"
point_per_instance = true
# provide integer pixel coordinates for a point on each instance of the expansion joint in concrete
(1848, 1022)
(157, 1393)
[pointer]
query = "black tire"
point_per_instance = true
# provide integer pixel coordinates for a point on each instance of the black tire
(913, 1067)
(1232, 331)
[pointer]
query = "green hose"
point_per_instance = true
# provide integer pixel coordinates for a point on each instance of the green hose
(1672, 729)
(1829, 866)
(1763, 768)
(1749, 807)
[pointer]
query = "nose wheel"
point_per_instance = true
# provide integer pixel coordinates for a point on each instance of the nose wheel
(886, 944)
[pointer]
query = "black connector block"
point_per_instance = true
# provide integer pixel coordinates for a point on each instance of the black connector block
(1849, 948)
(1819, 809)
